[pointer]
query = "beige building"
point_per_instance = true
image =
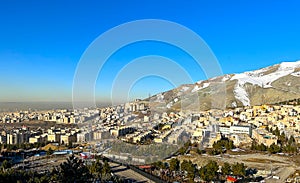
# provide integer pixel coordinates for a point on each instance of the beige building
(35, 139)
(38, 138)
(264, 137)
(54, 137)
(11, 138)
(240, 139)
(121, 131)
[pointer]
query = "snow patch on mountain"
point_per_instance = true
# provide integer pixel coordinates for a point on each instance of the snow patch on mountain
(197, 88)
(234, 104)
(297, 74)
(176, 100)
(225, 78)
(241, 94)
(258, 78)
(290, 65)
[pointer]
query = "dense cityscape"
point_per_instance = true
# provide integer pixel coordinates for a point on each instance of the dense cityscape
(128, 133)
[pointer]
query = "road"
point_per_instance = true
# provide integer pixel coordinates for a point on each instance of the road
(127, 173)
(283, 173)
(41, 164)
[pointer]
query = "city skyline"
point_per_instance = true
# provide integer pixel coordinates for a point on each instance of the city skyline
(42, 42)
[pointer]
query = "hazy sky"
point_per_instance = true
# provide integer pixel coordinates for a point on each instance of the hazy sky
(41, 42)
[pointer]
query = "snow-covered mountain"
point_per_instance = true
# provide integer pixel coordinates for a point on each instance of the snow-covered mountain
(268, 85)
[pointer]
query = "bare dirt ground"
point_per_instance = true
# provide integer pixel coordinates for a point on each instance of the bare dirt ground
(283, 173)
(281, 165)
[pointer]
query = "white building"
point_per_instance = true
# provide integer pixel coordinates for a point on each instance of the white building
(241, 129)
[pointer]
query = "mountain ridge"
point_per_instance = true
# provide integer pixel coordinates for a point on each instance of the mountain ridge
(272, 84)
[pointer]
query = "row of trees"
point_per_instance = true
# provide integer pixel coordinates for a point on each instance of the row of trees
(273, 148)
(187, 166)
(221, 146)
(211, 171)
(73, 170)
(223, 143)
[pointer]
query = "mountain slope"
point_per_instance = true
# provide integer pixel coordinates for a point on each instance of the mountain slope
(272, 84)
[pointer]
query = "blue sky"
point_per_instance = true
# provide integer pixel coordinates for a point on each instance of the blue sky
(41, 42)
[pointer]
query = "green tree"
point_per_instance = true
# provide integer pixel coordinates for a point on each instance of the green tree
(223, 143)
(217, 146)
(289, 148)
(189, 167)
(182, 150)
(229, 145)
(209, 171)
(291, 140)
(253, 145)
(203, 175)
(73, 170)
(267, 128)
(183, 165)
(274, 148)
(271, 130)
(159, 165)
(239, 169)
(96, 169)
(5, 165)
(282, 138)
(106, 168)
(174, 164)
(276, 132)
(226, 169)
(198, 151)
(262, 147)
(50, 151)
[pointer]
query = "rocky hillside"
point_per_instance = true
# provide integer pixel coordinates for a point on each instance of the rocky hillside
(270, 85)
